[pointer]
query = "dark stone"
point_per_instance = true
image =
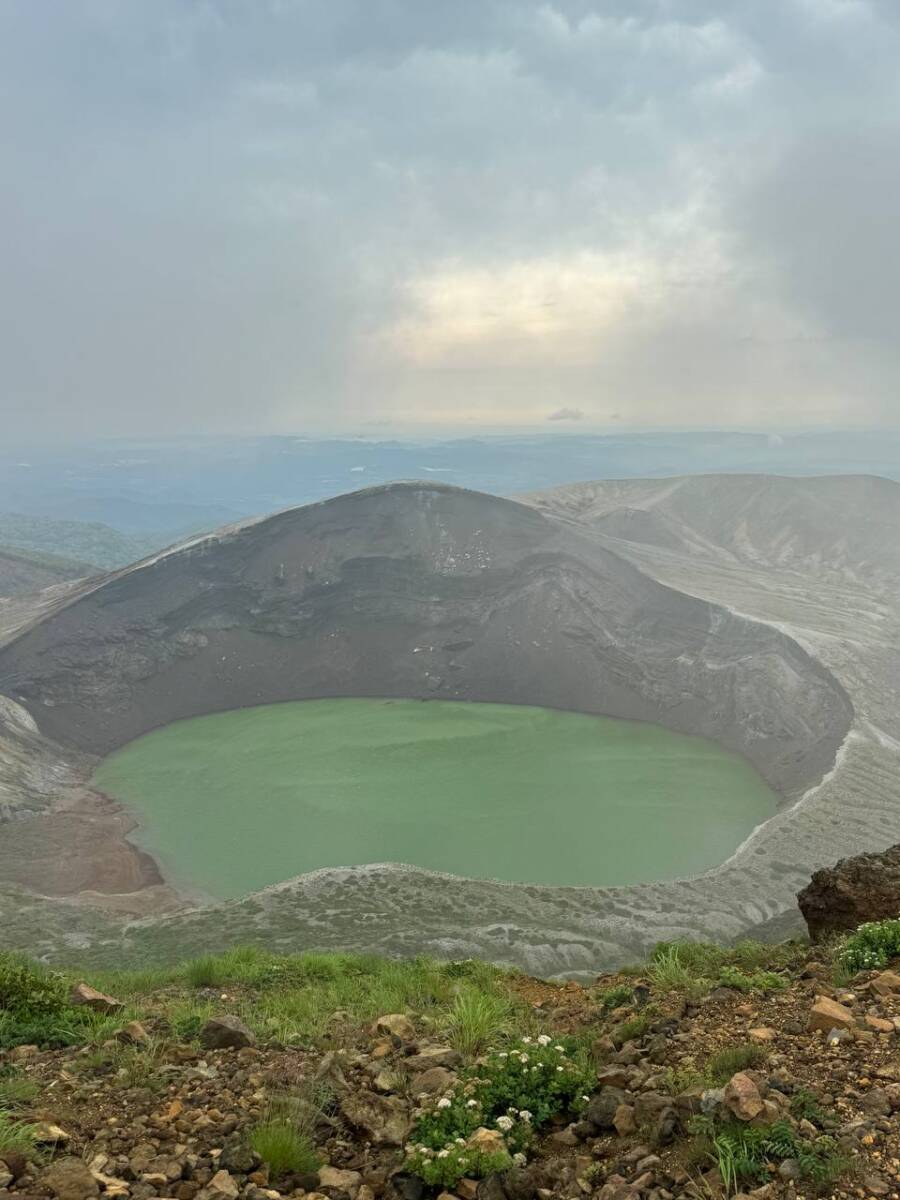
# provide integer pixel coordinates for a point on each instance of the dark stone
(238, 1158)
(876, 1102)
(855, 890)
(602, 1106)
(406, 1187)
(666, 1129)
(522, 1183)
(16, 1164)
(222, 1033)
(720, 994)
(491, 1188)
(307, 1181)
(650, 1105)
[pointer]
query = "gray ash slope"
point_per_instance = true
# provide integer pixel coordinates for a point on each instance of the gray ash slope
(839, 527)
(415, 590)
(776, 634)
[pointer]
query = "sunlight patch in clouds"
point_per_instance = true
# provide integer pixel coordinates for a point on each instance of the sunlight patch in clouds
(532, 311)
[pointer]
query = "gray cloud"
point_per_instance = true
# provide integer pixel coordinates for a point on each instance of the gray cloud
(279, 214)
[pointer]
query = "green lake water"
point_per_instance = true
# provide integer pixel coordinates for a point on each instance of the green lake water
(234, 801)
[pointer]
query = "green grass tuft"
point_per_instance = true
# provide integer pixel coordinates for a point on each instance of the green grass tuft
(476, 1020)
(15, 1135)
(744, 1057)
(284, 1138)
(16, 1091)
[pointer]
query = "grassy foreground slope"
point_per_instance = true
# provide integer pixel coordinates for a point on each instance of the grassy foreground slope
(704, 1072)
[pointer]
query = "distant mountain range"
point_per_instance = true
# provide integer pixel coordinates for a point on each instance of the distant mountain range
(159, 491)
(71, 548)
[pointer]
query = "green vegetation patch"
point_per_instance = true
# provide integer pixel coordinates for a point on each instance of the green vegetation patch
(871, 947)
(485, 1123)
(694, 968)
(746, 1155)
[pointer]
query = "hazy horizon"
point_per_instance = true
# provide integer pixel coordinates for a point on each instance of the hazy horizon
(378, 218)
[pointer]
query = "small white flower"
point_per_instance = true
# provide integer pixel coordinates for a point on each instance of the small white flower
(526, 1041)
(443, 1153)
(443, 1102)
(561, 1049)
(519, 1159)
(586, 1099)
(525, 1114)
(505, 1124)
(471, 1104)
(544, 1040)
(523, 1058)
(503, 1054)
(559, 1068)
(460, 1141)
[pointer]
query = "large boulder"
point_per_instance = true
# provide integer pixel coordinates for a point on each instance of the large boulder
(827, 1014)
(85, 996)
(855, 890)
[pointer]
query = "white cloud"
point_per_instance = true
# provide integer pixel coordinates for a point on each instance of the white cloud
(278, 214)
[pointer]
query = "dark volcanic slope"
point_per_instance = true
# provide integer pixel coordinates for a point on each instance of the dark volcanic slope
(418, 590)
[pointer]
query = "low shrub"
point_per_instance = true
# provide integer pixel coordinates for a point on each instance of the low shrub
(452, 1163)
(871, 947)
(616, 997)
(805, 1106)
(50, 1031)
(755, 981)
(511, 1093)
(634, 1027)
(29, 991)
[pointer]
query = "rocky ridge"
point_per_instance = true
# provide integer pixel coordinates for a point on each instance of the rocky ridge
(855, 890)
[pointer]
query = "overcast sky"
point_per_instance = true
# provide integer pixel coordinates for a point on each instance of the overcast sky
(368, 215)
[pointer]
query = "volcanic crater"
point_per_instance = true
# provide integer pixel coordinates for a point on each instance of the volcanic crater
(607, 598)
